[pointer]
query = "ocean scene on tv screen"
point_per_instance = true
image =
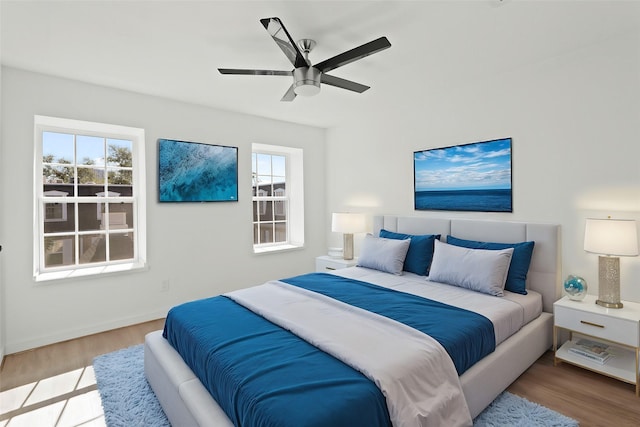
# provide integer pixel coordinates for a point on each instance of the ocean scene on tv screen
(194, 172)
(470, 177)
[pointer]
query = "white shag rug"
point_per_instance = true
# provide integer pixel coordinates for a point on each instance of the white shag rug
(511, 410)
(127, 397)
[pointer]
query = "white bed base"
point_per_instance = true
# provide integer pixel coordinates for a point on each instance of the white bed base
(187, 403)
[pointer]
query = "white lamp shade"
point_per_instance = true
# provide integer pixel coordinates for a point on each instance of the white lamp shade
(348, 223)
(617, 237)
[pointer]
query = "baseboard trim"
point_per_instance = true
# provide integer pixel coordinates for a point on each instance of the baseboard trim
(60, 336)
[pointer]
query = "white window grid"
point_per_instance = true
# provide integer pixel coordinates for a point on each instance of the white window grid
(77, 234)
(280, 205)
(102, 199)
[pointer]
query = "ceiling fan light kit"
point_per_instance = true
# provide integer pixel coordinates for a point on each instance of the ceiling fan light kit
(307, 78)
(306, 81)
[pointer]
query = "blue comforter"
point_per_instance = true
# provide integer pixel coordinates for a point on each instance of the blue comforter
(263, 375)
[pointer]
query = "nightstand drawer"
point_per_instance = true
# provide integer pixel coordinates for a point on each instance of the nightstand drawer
(623, 331)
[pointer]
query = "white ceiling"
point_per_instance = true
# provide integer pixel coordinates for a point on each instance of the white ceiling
(173, 48)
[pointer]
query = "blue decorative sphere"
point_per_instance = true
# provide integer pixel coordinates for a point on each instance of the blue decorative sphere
(575, 287)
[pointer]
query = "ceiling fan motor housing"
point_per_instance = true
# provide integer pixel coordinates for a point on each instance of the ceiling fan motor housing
(306, 81)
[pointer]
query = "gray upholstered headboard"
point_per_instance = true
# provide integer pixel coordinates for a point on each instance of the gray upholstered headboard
(544, 274)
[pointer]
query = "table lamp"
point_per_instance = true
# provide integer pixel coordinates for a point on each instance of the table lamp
(611, 239)
(348, 223)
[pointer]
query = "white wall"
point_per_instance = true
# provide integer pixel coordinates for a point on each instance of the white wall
(2, 298)
(203, 249)
(574, 120)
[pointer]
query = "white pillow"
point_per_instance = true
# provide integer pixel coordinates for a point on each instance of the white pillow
(383, 254)
(481, 270)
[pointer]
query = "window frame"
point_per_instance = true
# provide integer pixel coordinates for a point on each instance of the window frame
(137, 200)
(293, 198)
(271, 201)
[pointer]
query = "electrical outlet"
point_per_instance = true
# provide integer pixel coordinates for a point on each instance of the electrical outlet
(165, 286)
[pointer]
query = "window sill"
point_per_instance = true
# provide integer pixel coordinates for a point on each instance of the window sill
(276, 248)
(90, 271)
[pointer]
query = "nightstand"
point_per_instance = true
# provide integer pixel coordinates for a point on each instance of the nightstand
(326, 263)
(618, 328)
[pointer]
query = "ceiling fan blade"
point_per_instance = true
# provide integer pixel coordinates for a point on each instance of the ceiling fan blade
(254, 72)
(342, 83)
(290, 95)
(353, 54)
(280, 35)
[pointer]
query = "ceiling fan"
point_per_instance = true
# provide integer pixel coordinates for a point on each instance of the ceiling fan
(307, 77)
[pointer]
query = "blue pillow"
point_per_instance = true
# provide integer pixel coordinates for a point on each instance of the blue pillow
(420, 253)
(520, 260)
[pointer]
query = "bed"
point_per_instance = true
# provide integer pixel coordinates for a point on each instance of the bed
(187, 402)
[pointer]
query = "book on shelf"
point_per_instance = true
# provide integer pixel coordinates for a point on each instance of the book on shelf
(592, 350)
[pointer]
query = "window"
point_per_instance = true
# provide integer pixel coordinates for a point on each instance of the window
(55, 212)
(89, 198)
(278, 202)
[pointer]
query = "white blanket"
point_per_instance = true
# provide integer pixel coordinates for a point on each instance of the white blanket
(413, 371)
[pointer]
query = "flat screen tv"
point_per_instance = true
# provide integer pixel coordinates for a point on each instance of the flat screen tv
(469, 177)
(196, 172)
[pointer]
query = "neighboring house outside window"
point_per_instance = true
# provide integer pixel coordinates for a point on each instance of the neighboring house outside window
(278, 198)
(55, 212)
(99, 172)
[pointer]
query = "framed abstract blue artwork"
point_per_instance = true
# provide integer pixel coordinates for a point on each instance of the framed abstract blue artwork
(469, 177)
(196, 172)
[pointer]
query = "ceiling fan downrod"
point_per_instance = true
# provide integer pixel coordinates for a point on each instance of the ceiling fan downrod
(306, 80)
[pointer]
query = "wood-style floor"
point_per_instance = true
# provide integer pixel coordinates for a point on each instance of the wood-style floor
(590, 398)
(54, 386)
